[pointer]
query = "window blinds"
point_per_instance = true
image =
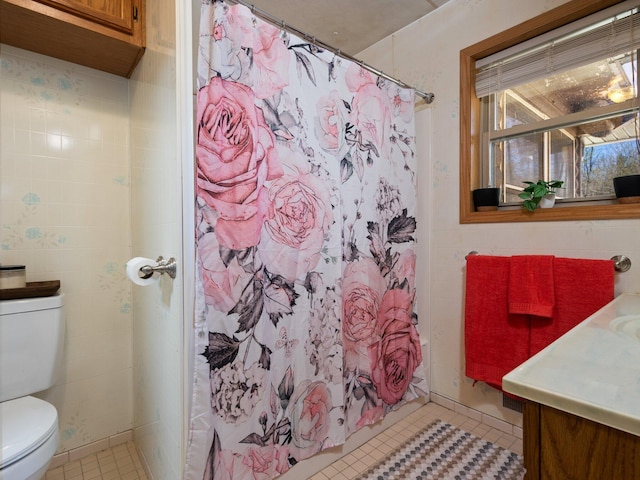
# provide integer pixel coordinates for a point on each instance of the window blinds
(557, 51)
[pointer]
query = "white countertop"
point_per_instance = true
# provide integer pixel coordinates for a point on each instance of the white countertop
(592, 371)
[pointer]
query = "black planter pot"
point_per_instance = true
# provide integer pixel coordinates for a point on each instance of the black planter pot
(486, 199)
(627, 188)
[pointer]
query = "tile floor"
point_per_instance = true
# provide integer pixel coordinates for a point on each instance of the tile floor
(122, 462)
(358, 461)
(118, 463)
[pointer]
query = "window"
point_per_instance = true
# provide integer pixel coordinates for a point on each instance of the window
(542, 101)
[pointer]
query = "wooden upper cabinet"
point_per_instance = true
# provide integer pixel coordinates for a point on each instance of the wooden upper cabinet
(108, 35)
(116, 14)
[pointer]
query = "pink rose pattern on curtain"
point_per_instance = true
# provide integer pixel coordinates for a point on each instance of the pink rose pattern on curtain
(305, 235)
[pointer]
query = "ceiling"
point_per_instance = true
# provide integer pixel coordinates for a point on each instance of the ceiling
(350, 26)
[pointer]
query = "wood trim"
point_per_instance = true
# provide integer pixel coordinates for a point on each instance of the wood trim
(468, 107)
(557, 213)
(531, 439)
(470, 115)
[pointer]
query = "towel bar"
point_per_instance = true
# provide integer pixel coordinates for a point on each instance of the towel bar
(620, 262)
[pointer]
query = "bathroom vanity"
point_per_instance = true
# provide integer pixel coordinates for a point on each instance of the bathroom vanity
(559, 445)
(582, 410)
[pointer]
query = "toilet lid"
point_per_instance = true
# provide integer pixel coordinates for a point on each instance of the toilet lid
(27, 422)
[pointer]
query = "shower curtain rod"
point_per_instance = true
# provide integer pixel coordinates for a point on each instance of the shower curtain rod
(427, 97)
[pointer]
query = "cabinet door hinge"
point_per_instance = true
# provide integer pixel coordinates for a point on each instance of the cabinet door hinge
(135, 13)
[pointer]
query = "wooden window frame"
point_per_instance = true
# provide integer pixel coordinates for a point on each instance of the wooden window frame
(470, 125)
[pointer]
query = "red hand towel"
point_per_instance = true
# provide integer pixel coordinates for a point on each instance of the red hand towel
(531, 288)
(495, 341)
(582, 287)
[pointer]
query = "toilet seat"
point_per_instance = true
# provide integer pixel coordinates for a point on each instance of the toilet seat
(29, 437)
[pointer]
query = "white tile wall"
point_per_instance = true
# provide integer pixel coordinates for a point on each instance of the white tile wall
(64, 213)
(156, 216)
(70, 192)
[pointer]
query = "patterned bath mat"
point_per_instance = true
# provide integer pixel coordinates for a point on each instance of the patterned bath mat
(441, 452)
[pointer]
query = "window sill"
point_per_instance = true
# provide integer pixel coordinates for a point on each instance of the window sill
(470, 125)
(557, 213)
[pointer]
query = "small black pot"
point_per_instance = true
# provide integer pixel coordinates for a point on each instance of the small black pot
(627, 188)
(486, 199)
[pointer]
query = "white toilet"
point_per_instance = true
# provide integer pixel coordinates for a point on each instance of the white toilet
(31, 338)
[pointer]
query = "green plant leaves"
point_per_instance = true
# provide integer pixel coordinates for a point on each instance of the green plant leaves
(533, 192)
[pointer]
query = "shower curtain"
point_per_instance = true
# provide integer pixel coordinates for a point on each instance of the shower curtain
(305, 327)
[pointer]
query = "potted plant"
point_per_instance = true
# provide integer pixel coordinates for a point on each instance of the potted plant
(486, 199)
(540, 194)
(627, 188)
(627, 184)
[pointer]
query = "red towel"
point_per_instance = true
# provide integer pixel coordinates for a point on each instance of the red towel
(495, 341)
(582, 287)
(531, 288)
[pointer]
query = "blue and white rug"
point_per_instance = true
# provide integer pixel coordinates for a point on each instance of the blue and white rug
(441, 452)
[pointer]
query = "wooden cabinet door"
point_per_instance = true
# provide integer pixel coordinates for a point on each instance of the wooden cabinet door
(576, 448)
(101, 34)
(116, 14)
(562, 446)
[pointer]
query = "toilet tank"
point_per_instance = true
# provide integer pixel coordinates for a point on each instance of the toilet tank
(31, 340)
